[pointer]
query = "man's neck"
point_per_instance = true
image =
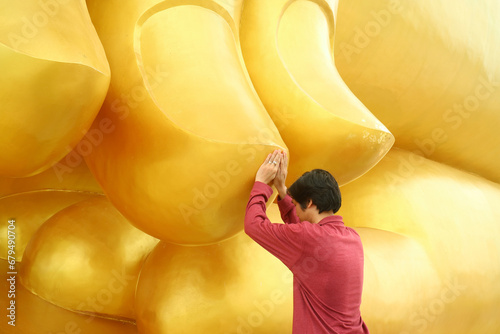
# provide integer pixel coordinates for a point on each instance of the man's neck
(320, 216)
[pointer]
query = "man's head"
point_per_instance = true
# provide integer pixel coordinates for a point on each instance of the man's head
(316, 188)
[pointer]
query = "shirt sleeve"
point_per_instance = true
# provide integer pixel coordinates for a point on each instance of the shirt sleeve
(282, 240)
(287, 210)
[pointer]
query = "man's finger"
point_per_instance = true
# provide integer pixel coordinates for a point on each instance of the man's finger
(268, 159)
(273, 157)
(277, 158)
(285, 160)
(275, 154)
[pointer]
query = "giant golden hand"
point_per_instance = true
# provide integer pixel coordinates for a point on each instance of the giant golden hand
(32, 202)
(429, 73)
(54, 78)
(87, 258)
(35, 315)
(288, 49)
(182, 132)
(42, 205)
(231, 287)
(443, 260)
(71, 173)
(189, 126)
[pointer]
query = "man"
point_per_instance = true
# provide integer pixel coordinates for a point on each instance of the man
(325, 257)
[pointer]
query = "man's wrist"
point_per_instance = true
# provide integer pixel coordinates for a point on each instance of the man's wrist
(281, 193)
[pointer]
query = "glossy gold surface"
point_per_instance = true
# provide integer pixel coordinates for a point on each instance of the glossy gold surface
(48, 50)
(35, 315)
(399, 278)
(190, 128)
(429, 72)
(287, 46)
(182, 132)
(450, 214)
(231, 287)
(70, 173)
(30, 210)
(87, 258)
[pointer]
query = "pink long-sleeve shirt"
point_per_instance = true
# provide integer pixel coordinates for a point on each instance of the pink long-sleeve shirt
(326, 260)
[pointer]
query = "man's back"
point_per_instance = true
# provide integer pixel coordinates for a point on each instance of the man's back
(328, 279)
(325, 258)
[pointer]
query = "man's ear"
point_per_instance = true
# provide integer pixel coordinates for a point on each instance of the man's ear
(309, 204)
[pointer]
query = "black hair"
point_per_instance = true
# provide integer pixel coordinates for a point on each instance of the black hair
(320, 187)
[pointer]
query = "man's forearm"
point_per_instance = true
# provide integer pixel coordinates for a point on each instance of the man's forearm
(287, 210)
(256, 207)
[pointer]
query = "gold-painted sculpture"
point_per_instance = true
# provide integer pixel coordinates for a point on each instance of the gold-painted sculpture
(182, 132)
(190, 127)
(71, 173)
(403, 281)
(429, 73)
(287, 46)
(30, 210)
(231, 287)
(87, 258)
(449, 214)
(35, 315)
(54, 78)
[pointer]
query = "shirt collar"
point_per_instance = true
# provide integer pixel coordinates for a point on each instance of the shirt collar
(335, 219)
